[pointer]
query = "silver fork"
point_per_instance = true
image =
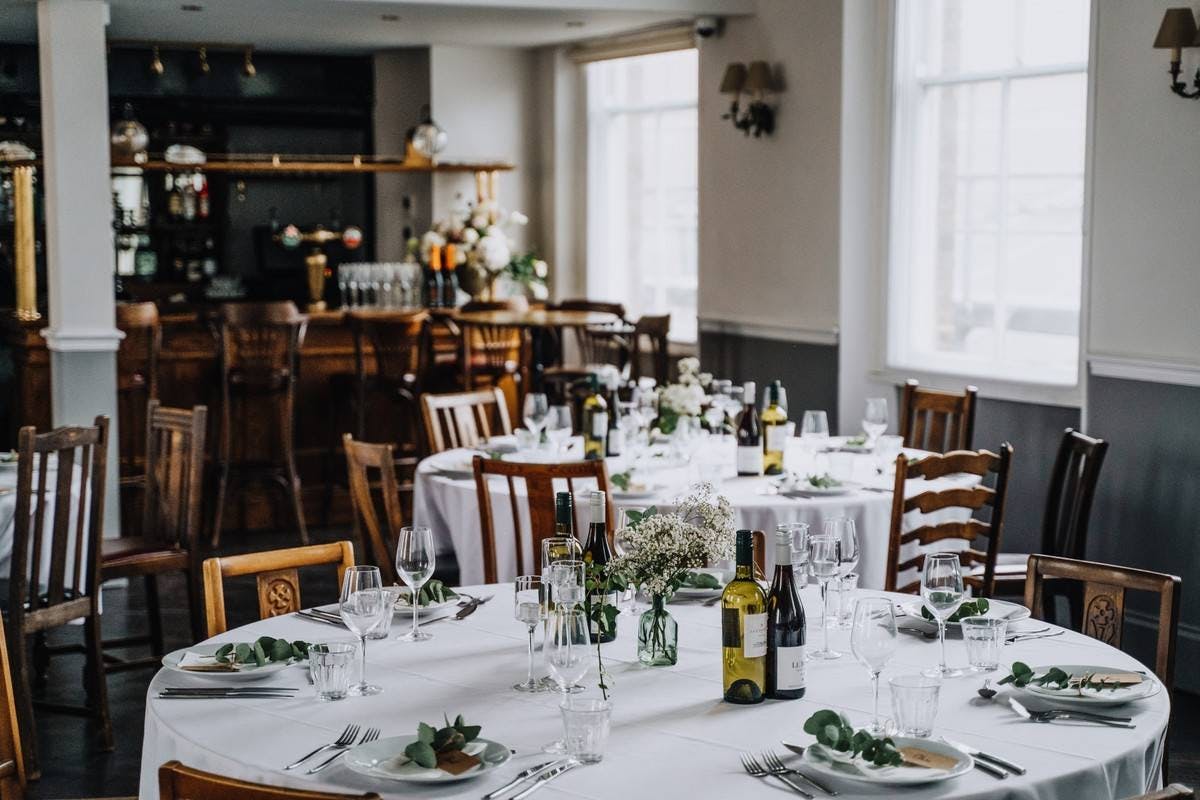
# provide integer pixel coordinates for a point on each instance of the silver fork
(345, 740)
(776, 766)
(370, 735)
(751, 765)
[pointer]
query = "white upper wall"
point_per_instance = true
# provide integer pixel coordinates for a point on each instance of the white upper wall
(769, 206)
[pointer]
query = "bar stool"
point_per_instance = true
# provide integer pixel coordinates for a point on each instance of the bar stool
(137, 385)
(259, 347)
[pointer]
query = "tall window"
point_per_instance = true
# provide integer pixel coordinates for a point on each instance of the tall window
(987, 188)
(642, 165)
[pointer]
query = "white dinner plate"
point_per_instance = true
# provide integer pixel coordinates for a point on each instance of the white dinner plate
(403, 607)
(1012, 612)
(385, 759)
(805, 490)
(893, 776)
(1093, 698)
(245, 672)
(647, 493)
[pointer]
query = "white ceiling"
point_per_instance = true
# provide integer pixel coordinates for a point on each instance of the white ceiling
(370, 25)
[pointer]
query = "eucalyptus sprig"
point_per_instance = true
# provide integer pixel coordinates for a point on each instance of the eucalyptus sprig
(261, 651)
(431, 742)
(1022, 675)
(600, 581)
(969, 608)
(824, 481)
(834, 731)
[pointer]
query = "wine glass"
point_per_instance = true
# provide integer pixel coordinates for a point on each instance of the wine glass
(630, 425)
(529, 607)
(628, 518)
(535, 410)
(363, 603)
(823, 564)
(846, 533)
(415, 560)
(798, 531)
(558, 427)
(873, 642)
(875, 419)
(568, 654)
(814, 433)
(942, 591)
(567, 578)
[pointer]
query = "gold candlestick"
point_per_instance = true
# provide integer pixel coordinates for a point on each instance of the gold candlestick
(23, 245)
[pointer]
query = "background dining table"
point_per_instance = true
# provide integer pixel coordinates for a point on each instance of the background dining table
(672, 736)
(445, 499)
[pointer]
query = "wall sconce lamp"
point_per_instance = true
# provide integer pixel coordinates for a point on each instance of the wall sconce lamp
(1177, 31)
(758, 117)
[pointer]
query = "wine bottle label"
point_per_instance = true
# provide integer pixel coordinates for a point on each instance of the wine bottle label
(599, 424)
(749, 460)
(789, 668)
(754, 642)
(776, 438)
(616, 440)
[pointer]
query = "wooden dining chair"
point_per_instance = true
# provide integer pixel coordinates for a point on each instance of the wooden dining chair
(55, 575)
(277, 576)
(936, 420)
(980, 564)
(653, 330)
(179, 782)
(1068, 509)
(376, 501)
(171, 519)
(1176, 791)
(493, 352)
(137, 375)
(539, 487)
(1104, 587)
(464, 419)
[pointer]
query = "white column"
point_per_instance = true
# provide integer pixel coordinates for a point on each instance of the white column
(82, 337)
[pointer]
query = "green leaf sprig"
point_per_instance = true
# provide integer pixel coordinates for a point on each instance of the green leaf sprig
(700, 580)
(621, 479)
(1022, 675)
(261, 652)
(825, 481)
(435, 592)
(432, 741)
(969, 608)
(834, 731)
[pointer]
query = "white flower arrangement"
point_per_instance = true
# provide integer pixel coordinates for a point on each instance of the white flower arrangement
(480, 233)
(660, 549)
(685, 397)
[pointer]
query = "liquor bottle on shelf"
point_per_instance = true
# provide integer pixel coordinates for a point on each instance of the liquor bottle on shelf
(433, 278)
(774, 429)
(596, 555)
(210, 258)
(595, 422)
(195, 262)
(616, 437)
(785, 627)
(174, 198)
(450, 276)
(749, 435)
(145, 261)
(744, 630)
(203, 201)
(187, 197)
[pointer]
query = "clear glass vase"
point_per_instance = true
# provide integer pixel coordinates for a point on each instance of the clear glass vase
(658, 635)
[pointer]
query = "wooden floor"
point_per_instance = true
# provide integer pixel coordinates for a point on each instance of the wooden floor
(73, 768)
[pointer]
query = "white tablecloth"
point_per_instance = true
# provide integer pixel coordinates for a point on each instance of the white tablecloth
(8, 513)
(449, 506)
(672, 736)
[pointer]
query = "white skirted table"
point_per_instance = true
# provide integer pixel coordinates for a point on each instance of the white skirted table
(672, 736)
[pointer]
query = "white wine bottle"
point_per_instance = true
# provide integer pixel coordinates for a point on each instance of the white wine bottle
(749, 435)
(595, 423)
(744, 630)
(774, 428)
(785, 627)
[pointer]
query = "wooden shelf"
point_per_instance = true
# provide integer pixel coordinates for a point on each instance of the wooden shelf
(300, 164)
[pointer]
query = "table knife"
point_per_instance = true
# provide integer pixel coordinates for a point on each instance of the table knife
(468, 611)
(545, 778)
(317, 618)
(979, 754)
(521, 777)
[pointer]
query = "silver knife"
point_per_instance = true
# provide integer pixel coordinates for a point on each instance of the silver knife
(468, 611)
(521, 777)
(798, 750)
(979, 754)
(545, 778)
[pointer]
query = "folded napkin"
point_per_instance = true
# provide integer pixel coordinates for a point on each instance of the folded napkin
(200, 662)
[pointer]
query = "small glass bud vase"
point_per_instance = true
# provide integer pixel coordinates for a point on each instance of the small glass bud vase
(658, 635)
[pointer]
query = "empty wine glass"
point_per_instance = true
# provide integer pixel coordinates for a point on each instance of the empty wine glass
(567, 578)
(873, 642)
(559, 427)
(845, 532)
(627, 518)
(875, 419)
(529, 608)
(363, 603)
(823, 564)
(415, 560)
(814, 425)
(942, 591)
(534, 411)
(568, 654)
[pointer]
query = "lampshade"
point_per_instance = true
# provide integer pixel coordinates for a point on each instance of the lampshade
(1178, 29)
(758, 79)
(734, 80)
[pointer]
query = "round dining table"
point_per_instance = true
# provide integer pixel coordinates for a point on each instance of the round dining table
(671, 737)
(445, 499)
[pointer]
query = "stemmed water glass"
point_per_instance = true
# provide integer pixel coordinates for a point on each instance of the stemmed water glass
(873, 642)
(567, 654)
(823, 564)
(535, 410)
(814, 433)
(845, 532)
(363, 604)
(415, 560)
(875, 419)
(559, 427)
(627, 518)
(942, 591)
(529, 607)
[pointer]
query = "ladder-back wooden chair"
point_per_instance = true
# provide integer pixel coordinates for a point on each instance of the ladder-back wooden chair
(651, 333)
(178, 782)
(464, 419)
(494, 351)
(979, 566)
(137, 384)
(936, 420)
(375, 498)
(55, 575)
(538, 480)
(277, 575)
